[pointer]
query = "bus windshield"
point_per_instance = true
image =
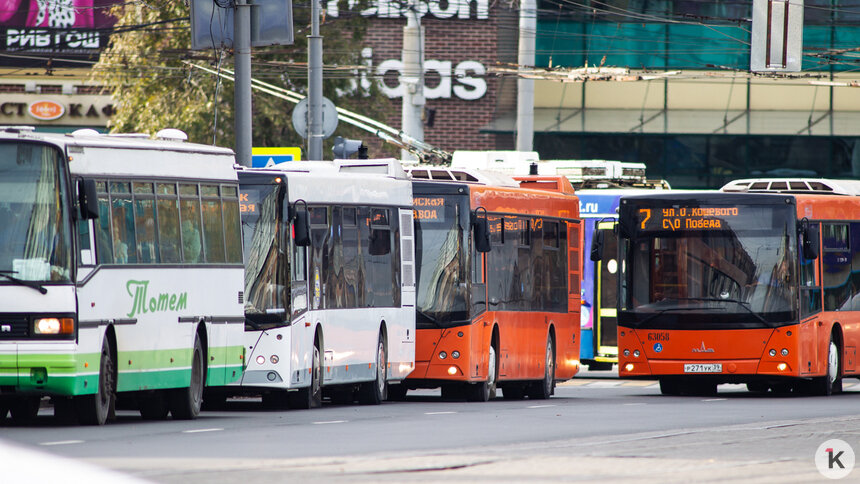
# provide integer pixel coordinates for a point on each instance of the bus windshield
(35, 237)
(267, 289)
(732, 270)
(441, 251)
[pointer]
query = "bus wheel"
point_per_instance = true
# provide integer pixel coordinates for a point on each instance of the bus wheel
(95, 409)
(185, 403)
(831, 382)
(670, 386)
(25, 409)
(310, 397)
(485, 390)
(4, 408)
(153, 405)
(396, 392)
(374, 392)
(544, 388)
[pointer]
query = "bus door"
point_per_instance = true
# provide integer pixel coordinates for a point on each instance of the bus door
(606, 290)
(810, 309)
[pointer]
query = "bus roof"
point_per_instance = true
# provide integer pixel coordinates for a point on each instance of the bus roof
(812, 186)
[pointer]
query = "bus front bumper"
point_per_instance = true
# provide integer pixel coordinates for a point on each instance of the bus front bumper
(48, 368)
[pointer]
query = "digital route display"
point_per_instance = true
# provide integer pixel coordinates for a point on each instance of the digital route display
(675, 218)
(429, 208)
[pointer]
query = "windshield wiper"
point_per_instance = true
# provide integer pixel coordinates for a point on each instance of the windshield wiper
(21, 282)
(428, 318)
(740, 303)
(662, 311)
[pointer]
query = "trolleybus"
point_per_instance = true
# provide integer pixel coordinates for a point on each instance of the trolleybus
(599, 184)
(498, 265)
(120, 273)
(755, 284)
(329, 280)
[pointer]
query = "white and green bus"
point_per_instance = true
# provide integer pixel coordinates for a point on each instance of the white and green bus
(121, 276)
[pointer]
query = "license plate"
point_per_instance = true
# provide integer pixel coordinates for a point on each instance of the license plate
(703, 368)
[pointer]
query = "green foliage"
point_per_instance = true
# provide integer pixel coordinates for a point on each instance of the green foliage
(145, 67)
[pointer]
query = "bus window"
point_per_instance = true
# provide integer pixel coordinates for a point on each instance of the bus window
(104, 246)
(810, 286)
(232, 227)
(147, 248)
(122, 223)
(213, 230)
(168, 229)
(189, 211)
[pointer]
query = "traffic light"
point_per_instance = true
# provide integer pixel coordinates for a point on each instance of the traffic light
(344, 148)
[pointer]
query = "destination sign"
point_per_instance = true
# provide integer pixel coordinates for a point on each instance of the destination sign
(686, 218)
(431, 209)
(245, 203)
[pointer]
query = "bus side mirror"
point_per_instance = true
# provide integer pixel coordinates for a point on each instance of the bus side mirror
(301, 227)
(597, 246)
(88, 201)
(811, 245)
(482, 235)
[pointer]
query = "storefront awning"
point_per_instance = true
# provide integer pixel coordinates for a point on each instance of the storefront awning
(689, 122)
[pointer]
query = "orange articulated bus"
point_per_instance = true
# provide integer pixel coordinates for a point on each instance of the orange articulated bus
(498, 263)
(758, 283)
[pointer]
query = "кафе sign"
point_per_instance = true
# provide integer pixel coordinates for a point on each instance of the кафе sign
(39, 109)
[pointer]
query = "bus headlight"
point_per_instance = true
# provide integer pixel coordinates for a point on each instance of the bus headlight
(772, 352)
(54, 326)
(274, 359)
(636, 353)
(442, 355)
(261, 359)
(455, 354)
(784, 352)
(626, 352)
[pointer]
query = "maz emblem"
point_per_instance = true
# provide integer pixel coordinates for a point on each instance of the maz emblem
(703, 349)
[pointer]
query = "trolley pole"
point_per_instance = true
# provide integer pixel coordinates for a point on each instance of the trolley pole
(242, 85)
(526, 87)
(315, 86)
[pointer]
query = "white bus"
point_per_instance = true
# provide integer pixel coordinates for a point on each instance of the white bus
(121, 275)
(329, 281)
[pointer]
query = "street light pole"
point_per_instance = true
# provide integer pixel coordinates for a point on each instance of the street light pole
(315, 85)
(242, 85)
(526, 87)
(412, 78)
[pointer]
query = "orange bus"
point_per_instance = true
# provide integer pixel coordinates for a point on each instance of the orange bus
(498, 270)
(758, 283)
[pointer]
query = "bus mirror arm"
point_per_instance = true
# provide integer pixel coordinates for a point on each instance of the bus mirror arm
(597, 246)
(482, 231)
(88, 201)
(301, 224)
(809, 239)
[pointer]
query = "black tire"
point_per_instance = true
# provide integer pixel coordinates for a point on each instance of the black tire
(397, 392)
(831, 382)
(544, 388)
(486, 390)
(153, 405)
(376, 391)
(25, 409)
(4, 408)
(670, 386)
(513, 391)
(96, 409)
(310, 397)
(185, 403)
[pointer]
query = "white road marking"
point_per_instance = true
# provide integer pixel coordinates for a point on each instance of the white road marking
(630, 404)
(330, 422)
(715, 399)
(540, 406)
(63, 442)
(438, 413)
(197, 431)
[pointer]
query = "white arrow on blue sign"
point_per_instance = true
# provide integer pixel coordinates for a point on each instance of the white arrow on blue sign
(260, 161)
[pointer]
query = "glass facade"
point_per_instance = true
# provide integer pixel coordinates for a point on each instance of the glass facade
(701, 36)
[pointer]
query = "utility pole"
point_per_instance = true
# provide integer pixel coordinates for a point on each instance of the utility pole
(242, 85)
(315, 86)
(412, 77)
(526, 87)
